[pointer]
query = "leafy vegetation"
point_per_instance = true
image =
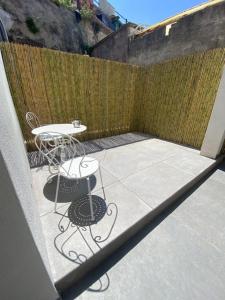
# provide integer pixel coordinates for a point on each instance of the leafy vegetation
(86, 12)
(65, 3)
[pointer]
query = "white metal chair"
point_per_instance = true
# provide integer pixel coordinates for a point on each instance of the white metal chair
(32, 120)
(68, 155)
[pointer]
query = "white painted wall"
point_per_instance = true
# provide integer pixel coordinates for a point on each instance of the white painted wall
(24, 272)
(215, 133)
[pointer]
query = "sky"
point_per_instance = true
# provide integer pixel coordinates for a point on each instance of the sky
(148, 12)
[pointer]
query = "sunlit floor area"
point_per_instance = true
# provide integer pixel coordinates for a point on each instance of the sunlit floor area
(140, 174)
(180, 255)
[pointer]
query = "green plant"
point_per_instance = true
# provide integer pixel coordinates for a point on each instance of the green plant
(31, 25)
(86, 12)
(65, 3)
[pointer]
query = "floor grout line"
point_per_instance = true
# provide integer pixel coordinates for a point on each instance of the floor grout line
(152, 164)
(142, 169)
(120, 180)
(139, 197)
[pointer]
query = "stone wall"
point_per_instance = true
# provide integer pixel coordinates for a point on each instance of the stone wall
(198, 32)
(57, 27)
(115, 46)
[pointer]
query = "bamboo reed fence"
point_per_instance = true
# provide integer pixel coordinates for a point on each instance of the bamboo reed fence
(60, 87)
(179, 95)
(172, 100)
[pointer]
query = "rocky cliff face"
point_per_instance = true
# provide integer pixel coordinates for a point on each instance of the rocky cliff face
(43, 23)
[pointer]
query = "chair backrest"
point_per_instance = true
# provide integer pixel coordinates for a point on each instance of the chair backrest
(32, 120)
(59, 148)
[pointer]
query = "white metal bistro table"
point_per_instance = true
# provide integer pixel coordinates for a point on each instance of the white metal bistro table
(68, 129)
(55, 130)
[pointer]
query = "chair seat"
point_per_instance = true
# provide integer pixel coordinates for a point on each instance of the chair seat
(79, 167)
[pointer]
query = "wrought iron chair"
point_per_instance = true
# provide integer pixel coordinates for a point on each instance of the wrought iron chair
(32, 120)
(68, 155)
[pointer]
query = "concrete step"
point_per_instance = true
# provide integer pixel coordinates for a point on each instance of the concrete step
(179, 255)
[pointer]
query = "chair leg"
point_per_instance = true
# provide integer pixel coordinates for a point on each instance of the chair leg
(90, 199)
(103, 190)
(39, 157)
(57, 192)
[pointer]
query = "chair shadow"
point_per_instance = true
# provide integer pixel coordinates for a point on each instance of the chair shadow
(69, 190)
(79, 212)
(76, 225)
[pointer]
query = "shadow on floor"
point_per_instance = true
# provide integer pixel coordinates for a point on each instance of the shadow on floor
(222, 166)
(79, 211)
(105, 266)
(76, 225)
(69, 190)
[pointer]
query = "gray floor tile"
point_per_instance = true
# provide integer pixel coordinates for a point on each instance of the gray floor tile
(122, 161)
(156, 183)
(189, 162)
(126, 160)
(204, 212)
(170, 263)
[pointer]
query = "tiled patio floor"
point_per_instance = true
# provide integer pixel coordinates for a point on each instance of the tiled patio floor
(180, 255)
(138, 178)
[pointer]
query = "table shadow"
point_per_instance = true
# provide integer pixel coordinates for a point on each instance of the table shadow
(69, 190)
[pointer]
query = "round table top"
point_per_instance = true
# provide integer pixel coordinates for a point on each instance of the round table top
(59, 128)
